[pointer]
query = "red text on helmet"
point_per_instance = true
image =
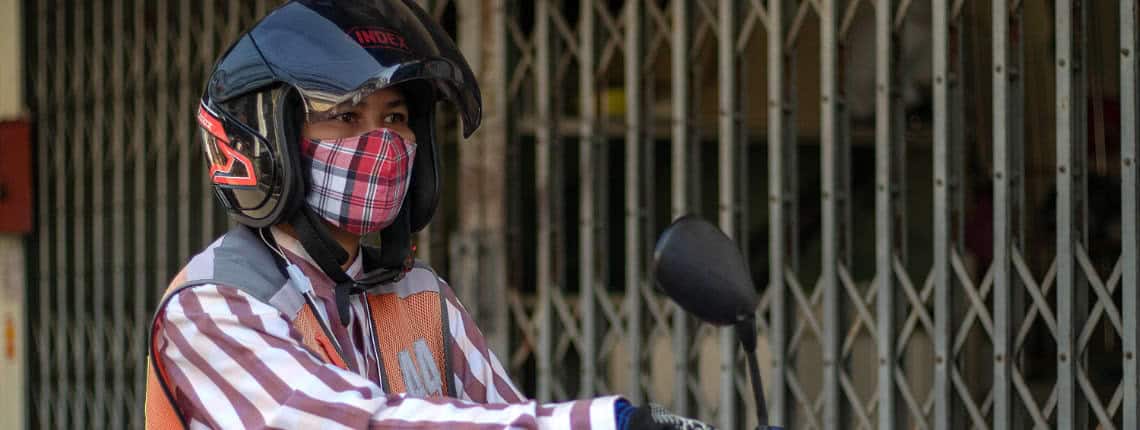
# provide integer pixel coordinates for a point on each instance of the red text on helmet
(372, 37)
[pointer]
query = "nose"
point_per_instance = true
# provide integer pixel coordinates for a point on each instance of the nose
(403, 130)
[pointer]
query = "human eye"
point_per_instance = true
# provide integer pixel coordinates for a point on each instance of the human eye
(345, 117)
(396, 118)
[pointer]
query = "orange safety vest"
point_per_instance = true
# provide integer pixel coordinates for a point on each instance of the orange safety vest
(404, 313)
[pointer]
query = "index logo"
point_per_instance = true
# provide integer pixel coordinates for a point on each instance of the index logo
(374, 37)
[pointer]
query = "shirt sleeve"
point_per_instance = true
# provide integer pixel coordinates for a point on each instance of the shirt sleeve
(479, 376)
(235, 362)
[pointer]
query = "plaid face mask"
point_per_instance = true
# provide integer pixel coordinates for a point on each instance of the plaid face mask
(358, 183)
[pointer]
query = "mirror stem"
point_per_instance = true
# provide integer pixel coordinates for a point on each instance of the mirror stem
(746, 333)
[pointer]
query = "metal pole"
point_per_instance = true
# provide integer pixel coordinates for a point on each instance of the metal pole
(1130, 240)
(884, 211)
(77, 241)
(141, 249)
(728, 153)
(956, 120)
(587, 173)
(777, 146)
(162, 173)
(634, 211)
(1070, 192)
(59, 401)
(829, 152)
(561, 221)
(423, 239)
(484, 203)
(943, 317)
(544, 139)
(42, 333)
(262, 7)
(118, 222)
(198, 190)
(1003, 323)
(682, 93)
(498, 184)
(1015, 177)
(228, 33)
(182, 113)
(98, 237)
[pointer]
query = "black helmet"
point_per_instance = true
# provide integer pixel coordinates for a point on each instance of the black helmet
(301, 62)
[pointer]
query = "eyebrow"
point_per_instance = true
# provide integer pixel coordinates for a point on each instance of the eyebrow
(398, 102)
(393, 103)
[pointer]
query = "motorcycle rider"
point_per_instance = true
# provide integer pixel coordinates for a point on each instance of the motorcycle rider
(318, 125)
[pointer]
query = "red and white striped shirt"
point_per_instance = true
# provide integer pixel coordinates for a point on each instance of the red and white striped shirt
(237, 362)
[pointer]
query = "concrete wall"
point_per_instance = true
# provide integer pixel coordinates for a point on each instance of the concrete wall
(12, 346)
(12, 246)
(11, 59)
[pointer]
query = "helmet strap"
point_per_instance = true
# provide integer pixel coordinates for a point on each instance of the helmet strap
(393, 259)
(396, 242)
(327, 253)
(394, 255)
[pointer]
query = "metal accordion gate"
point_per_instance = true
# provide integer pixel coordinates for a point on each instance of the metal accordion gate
(938, 198)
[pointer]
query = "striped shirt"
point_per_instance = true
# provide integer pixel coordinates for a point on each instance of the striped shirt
(237, 362)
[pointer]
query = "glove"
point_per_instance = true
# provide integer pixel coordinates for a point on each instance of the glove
(655, 417)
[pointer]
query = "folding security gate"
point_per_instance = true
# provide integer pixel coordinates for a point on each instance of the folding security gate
(938, 196)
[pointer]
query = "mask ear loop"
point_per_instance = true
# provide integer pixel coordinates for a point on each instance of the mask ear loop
(272, 244)
(301, 282)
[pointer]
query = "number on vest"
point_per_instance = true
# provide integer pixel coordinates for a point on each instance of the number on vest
(421, 376)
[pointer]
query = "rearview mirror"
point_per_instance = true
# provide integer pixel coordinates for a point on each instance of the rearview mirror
(702, 270)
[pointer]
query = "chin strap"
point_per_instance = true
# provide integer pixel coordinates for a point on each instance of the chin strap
(388, 264)
(327, 253)
(396, 243)
(393, 259)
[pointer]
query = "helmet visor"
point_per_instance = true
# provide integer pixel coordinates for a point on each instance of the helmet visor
(337, 53)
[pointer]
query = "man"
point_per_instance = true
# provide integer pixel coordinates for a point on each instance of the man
(318, 126)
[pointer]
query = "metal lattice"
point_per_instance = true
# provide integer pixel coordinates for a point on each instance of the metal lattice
(119, 208)
(624, 114)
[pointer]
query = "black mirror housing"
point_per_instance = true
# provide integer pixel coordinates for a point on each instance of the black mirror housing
(701, 269)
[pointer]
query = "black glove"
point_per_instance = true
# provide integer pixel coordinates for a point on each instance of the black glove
(655, 417)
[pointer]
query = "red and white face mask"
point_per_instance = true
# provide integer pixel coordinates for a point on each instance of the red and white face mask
(358, 183)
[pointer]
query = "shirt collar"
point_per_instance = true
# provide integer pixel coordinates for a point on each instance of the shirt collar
(293, 248)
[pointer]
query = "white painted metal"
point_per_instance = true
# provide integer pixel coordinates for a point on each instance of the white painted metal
(1070, 133)
(943, 398)
(1003, 407)
(832, 151)
(544, 140)
(634, 210)
(681, 200)
(13, 317)
(728, 139)
(778, 145)
(1130, 242)
(589, 181)
(884, 211)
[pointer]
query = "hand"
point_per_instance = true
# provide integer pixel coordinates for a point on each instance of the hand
(655, 417)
